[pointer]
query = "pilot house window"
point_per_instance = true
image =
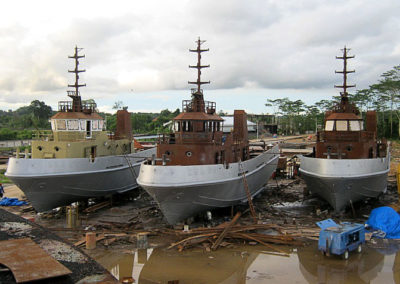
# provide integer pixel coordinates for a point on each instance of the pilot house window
(329, 125)
(187, 126)
(355, 125)
(341, 125)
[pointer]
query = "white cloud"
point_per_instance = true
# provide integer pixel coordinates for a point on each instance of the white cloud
(257, 47)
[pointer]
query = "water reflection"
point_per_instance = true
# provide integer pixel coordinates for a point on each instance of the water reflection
(197, 266)
(253, 265)
(359, 268)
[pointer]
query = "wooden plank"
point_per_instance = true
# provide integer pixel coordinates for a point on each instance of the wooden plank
(190, 238)
(29, 262)
(225, 231)
(97, 206)
(83, 241)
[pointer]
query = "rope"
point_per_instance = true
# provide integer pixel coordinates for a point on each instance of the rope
(130, 166)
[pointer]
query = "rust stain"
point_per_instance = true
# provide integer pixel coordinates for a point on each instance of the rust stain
(29, 262)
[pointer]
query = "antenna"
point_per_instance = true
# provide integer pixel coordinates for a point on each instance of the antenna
(345, 72)
(75, 95)
(199, 66)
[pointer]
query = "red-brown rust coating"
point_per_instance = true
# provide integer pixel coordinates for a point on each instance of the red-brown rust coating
(360, 144)
(198, 138)
(124, 125)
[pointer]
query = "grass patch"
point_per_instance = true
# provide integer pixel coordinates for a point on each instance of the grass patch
(3, 178)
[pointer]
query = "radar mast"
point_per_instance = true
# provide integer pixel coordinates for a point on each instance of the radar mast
(344, 95)
(75, 95)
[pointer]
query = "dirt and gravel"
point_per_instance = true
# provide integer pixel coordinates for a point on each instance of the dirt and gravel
(81, 265)
(284, 202)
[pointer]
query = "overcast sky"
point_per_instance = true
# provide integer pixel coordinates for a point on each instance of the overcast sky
(137, 51)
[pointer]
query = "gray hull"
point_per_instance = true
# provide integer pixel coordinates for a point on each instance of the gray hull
(50, 183)
(342, 181)
(183, 191)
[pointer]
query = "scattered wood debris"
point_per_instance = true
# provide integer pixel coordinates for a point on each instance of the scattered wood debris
(97, 206)
(265, 234)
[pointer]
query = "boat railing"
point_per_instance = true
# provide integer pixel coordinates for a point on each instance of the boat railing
(60, 136)
(87, 106)
(44, 135)
(210, 107)
(191, 138)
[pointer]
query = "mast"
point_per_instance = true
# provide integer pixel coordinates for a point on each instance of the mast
(199, 66)
(75, 95)
(345, 72)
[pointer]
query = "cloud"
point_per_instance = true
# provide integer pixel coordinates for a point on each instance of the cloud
(143, 46)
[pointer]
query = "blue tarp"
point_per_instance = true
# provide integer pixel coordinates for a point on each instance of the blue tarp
(5, 201)
(385, 219)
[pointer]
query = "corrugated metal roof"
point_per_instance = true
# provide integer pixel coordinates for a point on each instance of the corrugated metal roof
(343, 115)
(228, 121)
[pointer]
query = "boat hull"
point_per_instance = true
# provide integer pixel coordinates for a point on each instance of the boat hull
(50, 183)
(347, 180)
(183, 191)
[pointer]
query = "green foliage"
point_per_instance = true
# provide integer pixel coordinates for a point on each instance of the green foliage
(34, 116)
(3, 178)
(7, 134)
(151, 123)
(118, 105)
(383, 97)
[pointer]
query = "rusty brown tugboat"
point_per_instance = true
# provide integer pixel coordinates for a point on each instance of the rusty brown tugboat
(197, 167)
(349, 163)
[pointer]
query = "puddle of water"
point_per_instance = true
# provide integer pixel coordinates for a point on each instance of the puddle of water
(253, 265)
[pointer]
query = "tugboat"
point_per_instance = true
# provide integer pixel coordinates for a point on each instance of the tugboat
(78, 159)
(348, 163)
(197, 167)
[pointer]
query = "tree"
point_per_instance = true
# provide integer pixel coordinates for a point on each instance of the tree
(118, 105)
(313, 112)
(275, 106)
(388, 89)
(291, 109)
(324, 105)
(40, 110)
(362, 99)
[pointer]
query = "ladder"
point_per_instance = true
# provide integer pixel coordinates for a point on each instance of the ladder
(246, 188)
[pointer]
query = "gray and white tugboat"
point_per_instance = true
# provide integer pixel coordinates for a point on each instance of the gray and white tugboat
(198, 167)
(79, 159)
(349, 163)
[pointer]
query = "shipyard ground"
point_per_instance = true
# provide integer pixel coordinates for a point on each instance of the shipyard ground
(285, 202)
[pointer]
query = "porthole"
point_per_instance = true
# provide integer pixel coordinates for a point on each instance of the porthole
(57, 148)
(40, 148)
(188, 154)
(167, 153)
(349, 148)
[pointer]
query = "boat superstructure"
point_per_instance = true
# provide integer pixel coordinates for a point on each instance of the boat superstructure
(349, 162)
(79, 159)
(198, 167)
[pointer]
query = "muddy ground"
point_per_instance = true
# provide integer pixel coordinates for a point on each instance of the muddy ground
(284, 202)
